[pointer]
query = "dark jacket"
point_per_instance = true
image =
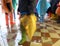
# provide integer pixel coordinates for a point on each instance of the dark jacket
(27, 6)
(54, 5)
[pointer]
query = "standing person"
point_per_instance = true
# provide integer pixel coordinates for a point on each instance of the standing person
(54, 6)
(15, 4)
(58, 12)
(3, 28)
(44, 5)
(27, 10)
(7, 8)
(42, 10)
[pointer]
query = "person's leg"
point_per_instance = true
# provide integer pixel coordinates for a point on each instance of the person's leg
(3, 30)
(18, 38)
(41, 18)
(11, 38)
(14, 15)
(23, 34)
(7, 19)
(12, 33)
(11, 19)
(17, 22)
(42, 23)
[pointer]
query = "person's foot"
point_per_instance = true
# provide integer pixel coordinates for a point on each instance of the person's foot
(22, 41)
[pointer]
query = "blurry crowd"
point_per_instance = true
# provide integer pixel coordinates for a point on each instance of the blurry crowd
(16, 16)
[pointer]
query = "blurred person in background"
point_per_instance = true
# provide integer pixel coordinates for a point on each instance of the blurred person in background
(27, 10)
